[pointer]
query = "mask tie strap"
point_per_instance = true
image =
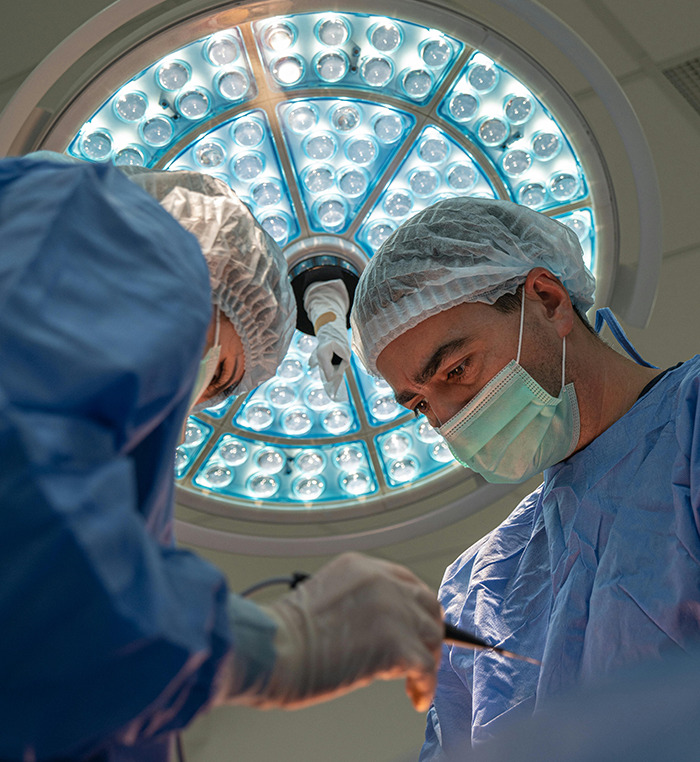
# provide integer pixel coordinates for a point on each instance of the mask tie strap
(522, 316)
(218, 326)
(605, 315)
(563, 364)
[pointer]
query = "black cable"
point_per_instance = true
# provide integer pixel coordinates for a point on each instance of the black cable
(293, 580)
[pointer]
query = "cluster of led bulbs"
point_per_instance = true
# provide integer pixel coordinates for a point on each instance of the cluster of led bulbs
(360, 166)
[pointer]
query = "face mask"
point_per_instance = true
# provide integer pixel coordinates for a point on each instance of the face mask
(513, 428)
(207, 367)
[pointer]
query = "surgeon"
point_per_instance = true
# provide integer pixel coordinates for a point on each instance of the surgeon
(473, 311)
(114, 320)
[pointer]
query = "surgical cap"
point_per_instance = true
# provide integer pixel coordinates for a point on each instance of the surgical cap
(247, 270)
(455, 251)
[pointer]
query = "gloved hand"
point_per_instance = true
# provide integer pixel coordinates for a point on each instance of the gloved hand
(355, 620)
(327, 303)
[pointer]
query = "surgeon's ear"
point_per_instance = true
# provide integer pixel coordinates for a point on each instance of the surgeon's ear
(546, 289)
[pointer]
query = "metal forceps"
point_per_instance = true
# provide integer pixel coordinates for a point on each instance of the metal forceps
(462, 639)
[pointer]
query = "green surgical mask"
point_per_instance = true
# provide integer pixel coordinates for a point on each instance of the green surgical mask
(513, 428)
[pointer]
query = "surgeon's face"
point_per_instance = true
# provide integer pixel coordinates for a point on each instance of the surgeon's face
(231, 367)
(436, 367)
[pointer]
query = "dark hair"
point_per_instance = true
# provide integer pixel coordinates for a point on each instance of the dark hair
(511, 303)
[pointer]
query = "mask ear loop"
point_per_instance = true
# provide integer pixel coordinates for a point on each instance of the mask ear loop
(563, 365)
(522, 316)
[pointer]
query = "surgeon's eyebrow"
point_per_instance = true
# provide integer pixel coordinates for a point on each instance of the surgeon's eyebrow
(432, 365)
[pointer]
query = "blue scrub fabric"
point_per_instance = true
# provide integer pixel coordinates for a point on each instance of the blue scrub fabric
(111, 637)
(597, 569)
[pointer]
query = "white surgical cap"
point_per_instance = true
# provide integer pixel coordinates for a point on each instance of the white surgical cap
(455, 251)
(247, 270)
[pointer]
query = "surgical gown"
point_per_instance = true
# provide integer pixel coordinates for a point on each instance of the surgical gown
(597, 569)
(111, 637)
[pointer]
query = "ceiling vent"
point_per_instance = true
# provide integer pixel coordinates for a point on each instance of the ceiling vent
(685, 77)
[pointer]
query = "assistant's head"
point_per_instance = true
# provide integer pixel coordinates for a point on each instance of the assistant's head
(248, 275)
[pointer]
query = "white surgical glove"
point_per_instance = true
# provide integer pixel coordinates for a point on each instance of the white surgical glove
(327, 303)
(356, 620)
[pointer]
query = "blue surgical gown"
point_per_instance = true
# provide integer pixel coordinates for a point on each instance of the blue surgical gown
(597, 569)
(111, 637)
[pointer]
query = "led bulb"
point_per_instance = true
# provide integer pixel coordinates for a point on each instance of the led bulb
(270, 461)
(563, 186)
(233, 85)
(157, 132)
(346, 118)
(290, 369)
(288, 70)
(417, 83)
(396, 444)
(258, 416)
(222, 51)
(493, 131)
(218, 476)
(308, 488)
(462, 177)
(388, 128)
(301, 118)
(398, 204)
(248, 133)
(262, 486)
(333, 31)
(385, 37)
(361, 151)
(181, 460)
(403, 470)
(379, 232)
(376, 72)
(337, 421)
(436, 52)
(424, 182)
(358, 483)
(463, 107)
(266, 193)
(426, 433)
(318, 178)
(384, 408)
(353, 183)
(433, 150)
(516, 162)
(233, 453)
(194, 104)
(279, 36)
(310, 462)
(129, 157)
(349, 458)
(96, 146)
(209, 154)
(441, 453)
(482, 78)
(332, 214)
(248, 166)
(296, 422)
(320, 147)
(131, 107)
(332, 67)
(532, 195)
(579, 223)
(277, 227)
(193, 434)
(518, 109)
(281, 395)
(546, 145)
(173, 75)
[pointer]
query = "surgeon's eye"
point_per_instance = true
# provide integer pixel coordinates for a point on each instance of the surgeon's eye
(458, 370)
(420, 409)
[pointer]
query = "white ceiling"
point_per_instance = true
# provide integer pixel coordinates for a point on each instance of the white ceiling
(636, 39)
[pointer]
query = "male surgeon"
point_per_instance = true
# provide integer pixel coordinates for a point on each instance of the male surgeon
(473, 311)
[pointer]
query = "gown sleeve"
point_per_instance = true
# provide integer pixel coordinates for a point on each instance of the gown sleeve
(110, 635)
